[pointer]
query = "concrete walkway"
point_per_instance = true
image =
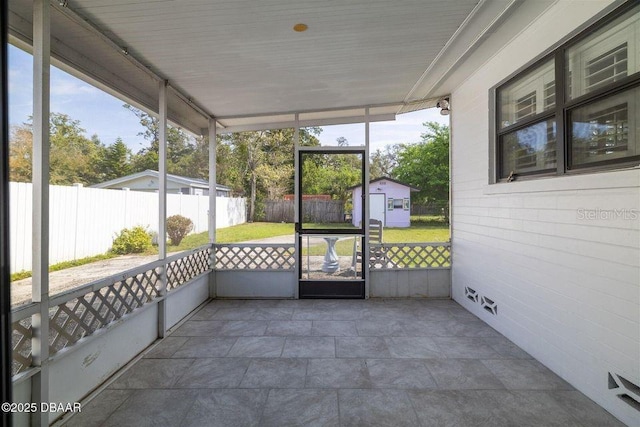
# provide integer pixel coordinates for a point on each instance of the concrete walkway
(338, 363)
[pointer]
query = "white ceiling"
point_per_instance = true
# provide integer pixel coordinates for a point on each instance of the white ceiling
(241, 62)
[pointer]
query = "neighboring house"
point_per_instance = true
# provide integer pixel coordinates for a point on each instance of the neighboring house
(148, 181)
(389, 202)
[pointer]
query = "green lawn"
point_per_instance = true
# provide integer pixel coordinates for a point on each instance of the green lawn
(431, 232)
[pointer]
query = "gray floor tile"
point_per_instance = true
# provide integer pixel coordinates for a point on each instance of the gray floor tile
(214, 373)
(434, 314)
(199, 328)
(153, 408)
(166, 348)
(379, 328)
(312, 314)
(394, 314)
(99, 409)
(242, 328)
(586, 411)
(273, 313)
(337, 373)
(457, 408)
(531, 409)
(457, 374)
(257, 347)
(197, 347)
(226, 408)
(286, 328)
(205, 313)
(522, 374)
(153, 373)
(423, 328)
(345, 314)
(275, 373)
(391, 353)
(465, 348)
(506, 348)
(310, 347)
(413, 347)
(399, 374)
(470, 328)
(362, 347)
(234, 313)
(301, 408)
(334, 328)
(376, 408)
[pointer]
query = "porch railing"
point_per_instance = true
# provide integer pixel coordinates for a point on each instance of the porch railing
(81, 312)
(410, 255)
(257, 256)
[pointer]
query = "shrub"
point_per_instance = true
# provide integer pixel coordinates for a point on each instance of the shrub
(178, 226)
(131, 241)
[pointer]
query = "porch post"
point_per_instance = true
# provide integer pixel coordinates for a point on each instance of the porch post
(296, 204)
(5, 293)
(213, 184)
(40, 221)
(365, 200)
(162, 204)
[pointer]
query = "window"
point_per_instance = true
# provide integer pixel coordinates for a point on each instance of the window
(582, 101)
(397, 204)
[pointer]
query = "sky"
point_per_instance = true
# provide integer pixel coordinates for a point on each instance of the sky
(102, 114)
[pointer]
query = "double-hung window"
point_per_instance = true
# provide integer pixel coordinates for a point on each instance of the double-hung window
(577, 108)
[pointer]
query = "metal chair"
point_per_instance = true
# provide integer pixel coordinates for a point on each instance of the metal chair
(375, 237)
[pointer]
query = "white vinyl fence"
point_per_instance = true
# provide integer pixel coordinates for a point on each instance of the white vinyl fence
(84, 221)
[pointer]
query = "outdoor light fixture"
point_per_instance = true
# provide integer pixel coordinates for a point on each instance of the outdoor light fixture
(300, 27)
(125, 50)
(443, 104)
(63, 3)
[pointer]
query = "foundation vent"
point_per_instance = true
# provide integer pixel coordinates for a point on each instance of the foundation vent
(471, 294)
(627, 391)
(489, 305)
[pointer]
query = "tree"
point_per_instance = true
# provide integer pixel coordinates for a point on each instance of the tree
(261, 162)
(383, 162)
(180, 146)
(21, 153)
(426, 164)
(116, 161)
(73, 157)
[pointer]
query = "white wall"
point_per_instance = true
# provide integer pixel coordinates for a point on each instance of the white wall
(567, 288)
(84, 221)
(393, 218)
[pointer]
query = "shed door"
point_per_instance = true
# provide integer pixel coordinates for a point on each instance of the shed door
(377, 207)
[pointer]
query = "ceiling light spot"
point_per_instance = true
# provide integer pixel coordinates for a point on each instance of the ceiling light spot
(300, 27)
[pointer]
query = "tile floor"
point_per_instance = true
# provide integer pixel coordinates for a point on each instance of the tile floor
(338, 362)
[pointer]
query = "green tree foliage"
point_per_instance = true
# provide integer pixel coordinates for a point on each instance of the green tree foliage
(260, 163)
(383, 162)
(116, 161)
(331, 174)
(180, 148)
(426, 165)
(20, 153)
(73, 156)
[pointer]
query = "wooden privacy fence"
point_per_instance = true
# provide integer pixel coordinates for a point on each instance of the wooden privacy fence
(320, 211)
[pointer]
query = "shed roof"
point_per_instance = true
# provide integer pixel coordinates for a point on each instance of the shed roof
(183, 180)
(384, 178)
